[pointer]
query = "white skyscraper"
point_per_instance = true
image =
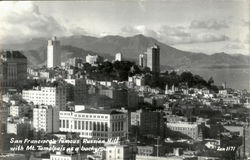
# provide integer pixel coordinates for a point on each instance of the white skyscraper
(118, 57)
(53, 53)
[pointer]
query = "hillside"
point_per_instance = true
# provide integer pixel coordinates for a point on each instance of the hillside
(131, 47)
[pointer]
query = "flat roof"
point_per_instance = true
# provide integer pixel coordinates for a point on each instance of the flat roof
(100, 111)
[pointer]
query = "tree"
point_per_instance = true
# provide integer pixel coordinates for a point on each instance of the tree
(210, 81)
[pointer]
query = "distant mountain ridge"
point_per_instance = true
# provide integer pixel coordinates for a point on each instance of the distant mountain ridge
(130, 47)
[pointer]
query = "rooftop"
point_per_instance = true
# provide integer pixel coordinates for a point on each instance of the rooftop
(99, 111)
(12, 54)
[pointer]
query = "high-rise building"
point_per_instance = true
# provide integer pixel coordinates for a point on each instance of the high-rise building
(80, 91)
(148, 122)
(54, 96)
(143, 60)
(133, 98)
(53, 53)
(247, 141)
(13, 69)
(118, 57)
(153, 59)
(46, 119)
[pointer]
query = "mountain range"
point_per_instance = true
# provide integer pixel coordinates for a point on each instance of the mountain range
(130, 47)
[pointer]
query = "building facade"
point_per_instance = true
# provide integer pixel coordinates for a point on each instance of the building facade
(148, 122)
(247, 141)
(118, 95)
(118, 57)
(90, 123)
(46, 119)
(80, 91)
(191, 130)
(13, 69)
(53, 53)
(143, 60)
(19, 126)
(153, 59)
(120, 152)
(92, 59)
(54, 96)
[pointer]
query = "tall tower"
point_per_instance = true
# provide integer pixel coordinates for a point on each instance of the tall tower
(118, 57)
(143, 60)
(153, 58)
(53, 53)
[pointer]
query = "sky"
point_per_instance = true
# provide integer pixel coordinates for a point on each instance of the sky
(208, 26)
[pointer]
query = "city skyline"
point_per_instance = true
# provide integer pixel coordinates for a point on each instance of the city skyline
(197, 26)
(137, 80)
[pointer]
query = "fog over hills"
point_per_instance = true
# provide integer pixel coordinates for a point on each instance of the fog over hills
(131, 47)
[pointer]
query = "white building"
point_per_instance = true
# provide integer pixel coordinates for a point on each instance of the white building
(53, 53)
(118, 57)
(16, 111)
(46, 119)
(191, 130)
(92, 59)
(91, 123)
(120, 152)
(60, 156)
(138, 80)
(55, 96)
(143, 60)
(19, 126)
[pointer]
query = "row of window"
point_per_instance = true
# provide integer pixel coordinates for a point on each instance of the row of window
(90, 116)
(85, 125)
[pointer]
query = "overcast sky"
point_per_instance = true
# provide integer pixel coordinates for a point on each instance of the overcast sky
(207, 26)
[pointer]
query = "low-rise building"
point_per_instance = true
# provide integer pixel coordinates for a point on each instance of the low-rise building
(145, 150)
(92, 123)
(92, 59)
(189, 129)
(19, 126)
(120, 152)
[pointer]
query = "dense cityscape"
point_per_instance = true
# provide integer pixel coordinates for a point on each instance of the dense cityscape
(93, 108)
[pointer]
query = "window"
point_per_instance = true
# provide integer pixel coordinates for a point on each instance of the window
(122, 126)
(79, 124)
(82, 125)
(75, 124)
(94, 126)
(63, 124)
(87, 127)
(98, 126)
(102, 125)
(106, 126)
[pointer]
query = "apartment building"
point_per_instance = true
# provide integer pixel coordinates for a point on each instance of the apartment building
(54, 96)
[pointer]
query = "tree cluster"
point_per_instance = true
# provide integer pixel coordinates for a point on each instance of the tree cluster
(184, 80)
(119, 70)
